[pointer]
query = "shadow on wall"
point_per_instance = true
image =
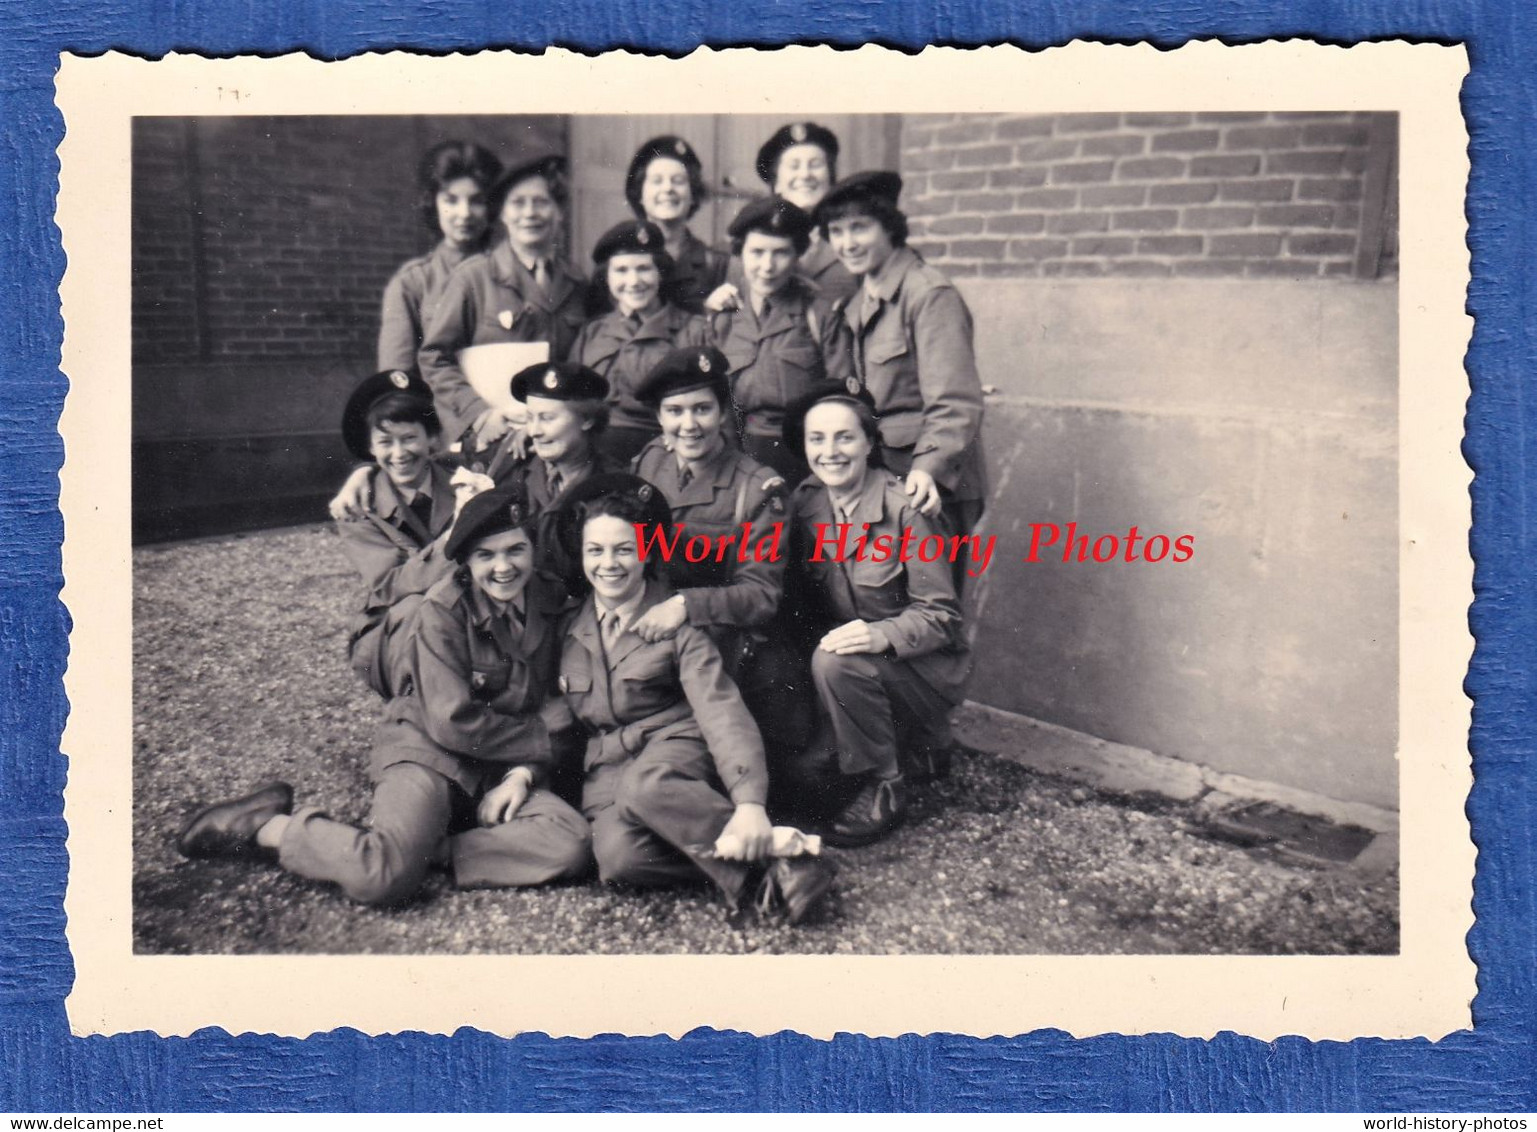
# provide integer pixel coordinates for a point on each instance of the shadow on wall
(1260, 418)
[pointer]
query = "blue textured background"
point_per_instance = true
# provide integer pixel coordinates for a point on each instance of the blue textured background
(43, 1069)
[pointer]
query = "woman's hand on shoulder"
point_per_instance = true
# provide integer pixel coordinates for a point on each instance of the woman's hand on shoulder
(354, 499)
(924, 492)
(662, 620)
(556, 714)
(724, 298)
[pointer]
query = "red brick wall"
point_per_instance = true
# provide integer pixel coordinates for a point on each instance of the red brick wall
(1142, 194)
(277, 235)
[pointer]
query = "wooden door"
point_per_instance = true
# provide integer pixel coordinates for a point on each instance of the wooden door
(602, 145)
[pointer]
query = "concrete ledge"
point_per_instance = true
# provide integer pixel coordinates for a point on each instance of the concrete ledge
(1118, 769)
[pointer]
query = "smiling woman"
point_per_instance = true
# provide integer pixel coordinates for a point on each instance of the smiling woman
(636, 331)
(468, 732)
(456, 180)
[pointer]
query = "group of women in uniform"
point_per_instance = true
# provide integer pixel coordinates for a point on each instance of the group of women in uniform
(562, 691)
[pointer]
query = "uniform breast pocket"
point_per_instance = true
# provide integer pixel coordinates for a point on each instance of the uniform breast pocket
(887, 349)
(800, 368)
(880, 589)
(648, 667)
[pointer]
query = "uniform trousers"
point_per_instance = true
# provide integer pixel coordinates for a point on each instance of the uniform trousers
(381, 652)
(414, 808)
(869, 700)
(654, 817)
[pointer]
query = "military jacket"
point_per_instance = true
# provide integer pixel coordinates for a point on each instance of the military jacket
(625, 354)
(798, 346)
(469, 707)
(913, 602)
(914, 354)
(729, 490)
(386, 545)
(493, 298)
(642, 692)
(407, 305)
(697, 270)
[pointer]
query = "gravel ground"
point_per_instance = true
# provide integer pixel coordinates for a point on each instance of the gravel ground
(240, 677)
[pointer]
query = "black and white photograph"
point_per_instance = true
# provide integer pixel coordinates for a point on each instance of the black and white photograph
(1022, 576)
(985, 524)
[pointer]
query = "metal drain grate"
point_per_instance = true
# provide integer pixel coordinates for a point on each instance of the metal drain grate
(1263, 824)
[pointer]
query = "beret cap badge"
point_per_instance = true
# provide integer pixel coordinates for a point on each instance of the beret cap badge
(551, 379)
(704, 363)
(798, 131)
(642, 237)
(851, 383)
(399, 380)
(680, 147)
(643, 493)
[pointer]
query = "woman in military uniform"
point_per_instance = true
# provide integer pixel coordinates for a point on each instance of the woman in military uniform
(406, 506)
(781, 338)
(466, 741)
(715, 490)
(665, 186)
(519, 291)
(799, 162)
(457, 181)
(892, 659)
(911, 342)
(635, 333)
(674, 763)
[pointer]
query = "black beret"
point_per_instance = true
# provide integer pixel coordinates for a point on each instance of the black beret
(795, 133)
(559, 381)
(668, 145)
(550, 166)
(688, 367)
(630, 238)
(370, 390)
(794, 429)
(879, 183)
(503, 508)
(653, 505)
(774, 216)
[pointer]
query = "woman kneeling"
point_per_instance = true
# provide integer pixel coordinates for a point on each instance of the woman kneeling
(892, 659)
(466, 737)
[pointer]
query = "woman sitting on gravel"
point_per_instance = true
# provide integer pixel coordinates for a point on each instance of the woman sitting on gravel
(893, 659)
(467, 737)
(675, 782)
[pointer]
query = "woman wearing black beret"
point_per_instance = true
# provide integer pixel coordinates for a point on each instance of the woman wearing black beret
(463, 754)
(641, 326)
(800, 163)
(665, 186)
(911, 348)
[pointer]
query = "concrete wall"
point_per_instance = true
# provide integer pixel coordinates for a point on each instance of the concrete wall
(1261, 417)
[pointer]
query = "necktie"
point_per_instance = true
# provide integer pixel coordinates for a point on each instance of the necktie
(542, 274)
(872, 304)
(635, 321)
(685, 476)
(421, 507)
(555, 481)
(610, 631)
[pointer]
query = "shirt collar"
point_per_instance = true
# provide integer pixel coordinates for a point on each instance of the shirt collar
(625, 613)
(888, 280)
